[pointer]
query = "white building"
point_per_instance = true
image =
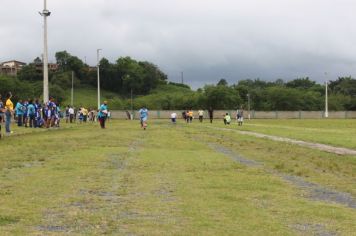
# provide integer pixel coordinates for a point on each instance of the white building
(11, 67)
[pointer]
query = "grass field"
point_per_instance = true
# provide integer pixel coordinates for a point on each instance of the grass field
(333, 131)
(176, 180)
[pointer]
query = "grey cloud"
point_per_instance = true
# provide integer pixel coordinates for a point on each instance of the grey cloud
(207, 39)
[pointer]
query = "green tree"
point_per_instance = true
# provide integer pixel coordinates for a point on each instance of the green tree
(30, 73)
(221, 97)
(301, 83)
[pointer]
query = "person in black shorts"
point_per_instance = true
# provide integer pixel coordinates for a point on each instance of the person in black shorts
(211, 114)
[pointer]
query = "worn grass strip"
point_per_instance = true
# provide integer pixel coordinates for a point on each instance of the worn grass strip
(319, 146)
(333, 132)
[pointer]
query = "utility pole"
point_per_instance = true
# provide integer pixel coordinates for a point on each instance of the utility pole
(131, 116)
(98, 65)
(248, 102)
(326, 97)
(45, 13)
(72, 92)
(182, 77)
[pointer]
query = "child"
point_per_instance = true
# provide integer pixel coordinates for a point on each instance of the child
(227, 119)
(143, 117)
(81, 115)
(174, 117)
(240, 116)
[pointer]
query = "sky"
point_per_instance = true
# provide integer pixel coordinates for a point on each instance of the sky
(205, 39)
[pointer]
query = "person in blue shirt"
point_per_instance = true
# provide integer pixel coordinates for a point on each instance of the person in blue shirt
(57, 115)
(143, 117)
(102, 114)
(39, 121)
(50, 112)
(19, 112)
(31, 113)
(25, 113)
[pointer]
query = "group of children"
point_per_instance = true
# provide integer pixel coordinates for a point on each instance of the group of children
(188, 116)
(239, 117)
(31, 113)
(82, 115)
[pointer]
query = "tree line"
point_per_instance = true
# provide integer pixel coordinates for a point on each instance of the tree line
(151, 87)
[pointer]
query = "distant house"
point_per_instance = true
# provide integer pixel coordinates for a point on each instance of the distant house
(92, 68)
(39, 65)
(11, 67)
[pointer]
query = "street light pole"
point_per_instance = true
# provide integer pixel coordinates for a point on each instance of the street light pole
(248, 102)
(326, 98)
(45, 13)
(72, 92)
(98, 65)
(131, 103)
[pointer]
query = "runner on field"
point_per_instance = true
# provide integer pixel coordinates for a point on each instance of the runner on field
(211, 114)
(143, 117)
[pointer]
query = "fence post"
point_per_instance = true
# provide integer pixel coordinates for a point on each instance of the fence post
(300, 114)
(276, 114)
(253, 114)
(346, 114)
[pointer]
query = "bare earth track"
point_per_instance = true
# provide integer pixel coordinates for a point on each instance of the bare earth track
(319, 146)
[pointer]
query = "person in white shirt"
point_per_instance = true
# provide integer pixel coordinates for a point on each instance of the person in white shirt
(201, 115)
(71, 114)
(174, 117)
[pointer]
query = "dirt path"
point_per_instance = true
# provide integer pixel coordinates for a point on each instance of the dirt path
(315, 191)
(319, 146)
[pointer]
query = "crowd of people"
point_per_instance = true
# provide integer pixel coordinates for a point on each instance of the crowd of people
(81, 115)
(31, 113)
(188, 116)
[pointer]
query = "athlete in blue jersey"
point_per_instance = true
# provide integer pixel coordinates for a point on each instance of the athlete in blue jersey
(102, 114)
(25, 113)
(31, 113)
(19, 112)
(50, 112)
(143, 117)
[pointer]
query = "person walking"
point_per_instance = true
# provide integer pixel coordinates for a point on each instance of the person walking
(240, 116)
(143, 117)
(9, 109)
(201, 115)
(102, 114)
(211, 114)
(190, 115)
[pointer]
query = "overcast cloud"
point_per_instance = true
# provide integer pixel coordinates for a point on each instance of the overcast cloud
(207, 39)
